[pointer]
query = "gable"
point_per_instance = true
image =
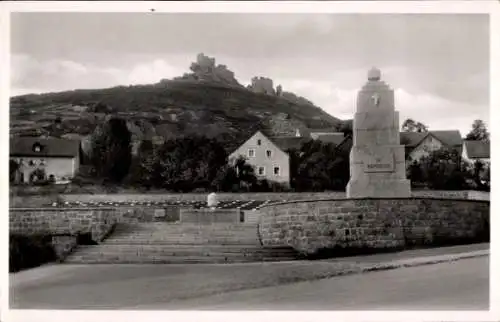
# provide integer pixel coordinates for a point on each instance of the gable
(252, 143)
(429, 142)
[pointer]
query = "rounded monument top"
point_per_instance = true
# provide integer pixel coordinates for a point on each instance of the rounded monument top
(374, 74)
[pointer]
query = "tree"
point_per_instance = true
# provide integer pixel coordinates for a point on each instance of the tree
(346, 127)
(444, 169)
(142, 168)
(13, 168)
(478, 132)
(237, 176)
(188, 163)
(415, 173)
(411, 126)
(480, 172)
(318, 166)
(111, 150)
(37, 175)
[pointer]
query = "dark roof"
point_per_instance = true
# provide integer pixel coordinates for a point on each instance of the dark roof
(449, 138)
(335, 138)
(346, 144)
(289, 142)
(324, 130)
(477, 149)
(50, 147)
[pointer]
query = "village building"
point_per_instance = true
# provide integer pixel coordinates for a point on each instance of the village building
(268, 154)
(476, 151)
(53, 159)
(421, 144)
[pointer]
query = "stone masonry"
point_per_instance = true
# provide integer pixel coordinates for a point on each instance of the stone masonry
(377, 159)
(63, 221)
(309, 226)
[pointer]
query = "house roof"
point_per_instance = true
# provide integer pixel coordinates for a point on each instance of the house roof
(315, 134)
(50, 147)
(335, 138)
(477, 149)
(288, 142)
(449, 138)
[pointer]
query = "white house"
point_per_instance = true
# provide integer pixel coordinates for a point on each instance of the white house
(58, 158)
(268, 155)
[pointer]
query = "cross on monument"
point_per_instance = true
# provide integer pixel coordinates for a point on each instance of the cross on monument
(376, 99)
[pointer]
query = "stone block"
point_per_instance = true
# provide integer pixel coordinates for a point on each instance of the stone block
(375, 120)
(383, 188)
(386, 136)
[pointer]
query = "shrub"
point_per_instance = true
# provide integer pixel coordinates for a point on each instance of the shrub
(29, 251)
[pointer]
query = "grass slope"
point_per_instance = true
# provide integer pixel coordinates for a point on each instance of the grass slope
(173, 108)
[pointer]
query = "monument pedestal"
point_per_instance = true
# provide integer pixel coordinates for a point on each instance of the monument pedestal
(398, 188)
(377, 159)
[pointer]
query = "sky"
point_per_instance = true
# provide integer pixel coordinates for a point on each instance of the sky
(437, 64)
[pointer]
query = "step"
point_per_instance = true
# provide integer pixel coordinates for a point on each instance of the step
(253, 232)
(187, 234)
(183, 237)
(172, 260)
(162, 225)
(180, 250)
(184, 241)
(211, 257)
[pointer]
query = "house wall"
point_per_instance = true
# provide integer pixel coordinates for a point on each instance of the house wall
(59, 167)
(428, 145)
(260, 159)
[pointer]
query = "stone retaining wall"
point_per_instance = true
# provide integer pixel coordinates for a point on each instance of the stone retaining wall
(312, 225)
(135, 214)
(63, 221)
(465, 194)
(37, 201)
(209, 216)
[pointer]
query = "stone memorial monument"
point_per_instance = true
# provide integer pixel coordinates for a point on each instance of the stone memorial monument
(377, 159)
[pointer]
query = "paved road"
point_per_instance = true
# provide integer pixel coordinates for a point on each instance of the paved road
(163, 286)
(460, 285)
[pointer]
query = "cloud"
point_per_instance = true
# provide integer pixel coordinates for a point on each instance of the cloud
(28, 74)
(433, 110)
(152, 72)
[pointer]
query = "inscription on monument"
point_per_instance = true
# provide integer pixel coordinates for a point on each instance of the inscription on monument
(380, 167)
(379, 164)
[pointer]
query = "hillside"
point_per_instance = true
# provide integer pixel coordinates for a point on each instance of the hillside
(186, 105)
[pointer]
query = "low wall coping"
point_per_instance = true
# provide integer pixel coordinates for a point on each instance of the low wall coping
(355, 199)
(60, 209)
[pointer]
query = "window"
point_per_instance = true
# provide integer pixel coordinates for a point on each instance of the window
(269, 153)
(276, 170)
(259, 142)
(42, 162)
(262, 171)
(31, 163)
(37, 147)
(251, 153)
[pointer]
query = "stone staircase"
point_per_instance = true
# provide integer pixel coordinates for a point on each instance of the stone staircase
(179, 243)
